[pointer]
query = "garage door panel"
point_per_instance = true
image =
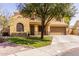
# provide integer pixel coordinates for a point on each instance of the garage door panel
(57, 30)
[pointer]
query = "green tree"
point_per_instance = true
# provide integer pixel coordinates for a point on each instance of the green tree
(67, 20)
(47, 11)
(3, 23)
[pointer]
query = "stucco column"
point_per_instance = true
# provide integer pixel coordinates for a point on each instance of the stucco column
(36, 30)
(48, 29)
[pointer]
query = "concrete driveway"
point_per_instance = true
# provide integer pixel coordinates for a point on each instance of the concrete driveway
(60, 44)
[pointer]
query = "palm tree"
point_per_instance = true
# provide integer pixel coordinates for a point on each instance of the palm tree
(47, 11)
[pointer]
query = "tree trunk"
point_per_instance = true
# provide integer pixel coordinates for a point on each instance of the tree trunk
(42, 30)
(42, 34)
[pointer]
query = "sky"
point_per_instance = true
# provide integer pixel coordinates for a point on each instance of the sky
(9, 8)
(74, 19)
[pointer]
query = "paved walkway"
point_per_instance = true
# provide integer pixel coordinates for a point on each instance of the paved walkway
(60, 43)
(7, 48)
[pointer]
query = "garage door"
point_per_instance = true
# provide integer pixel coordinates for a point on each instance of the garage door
(57, 30)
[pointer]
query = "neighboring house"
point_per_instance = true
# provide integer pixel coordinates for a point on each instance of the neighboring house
(69, 31)
(76, 28)
(19, 25)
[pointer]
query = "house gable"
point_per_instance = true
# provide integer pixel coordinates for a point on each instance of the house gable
(18, 19)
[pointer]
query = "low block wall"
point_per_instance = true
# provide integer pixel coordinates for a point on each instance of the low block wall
(19, 34)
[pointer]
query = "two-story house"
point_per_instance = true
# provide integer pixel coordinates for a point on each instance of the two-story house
(18, 24)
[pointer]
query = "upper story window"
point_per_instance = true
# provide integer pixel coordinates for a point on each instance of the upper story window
(32, 18)
(20, 27)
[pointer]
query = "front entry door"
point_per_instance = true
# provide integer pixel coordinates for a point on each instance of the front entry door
(32, 29)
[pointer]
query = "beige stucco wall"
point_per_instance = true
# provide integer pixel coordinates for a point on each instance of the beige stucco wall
(18, 19)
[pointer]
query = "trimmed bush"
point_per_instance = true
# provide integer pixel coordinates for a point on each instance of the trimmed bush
(2, 40)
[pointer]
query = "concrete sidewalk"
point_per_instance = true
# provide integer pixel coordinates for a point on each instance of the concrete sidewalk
(59, 45)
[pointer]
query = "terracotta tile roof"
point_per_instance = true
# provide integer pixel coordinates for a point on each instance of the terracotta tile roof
(58, 24)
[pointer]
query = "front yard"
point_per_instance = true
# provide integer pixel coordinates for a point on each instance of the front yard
(32, 42)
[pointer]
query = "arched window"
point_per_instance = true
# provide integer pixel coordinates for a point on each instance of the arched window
(20, 27)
